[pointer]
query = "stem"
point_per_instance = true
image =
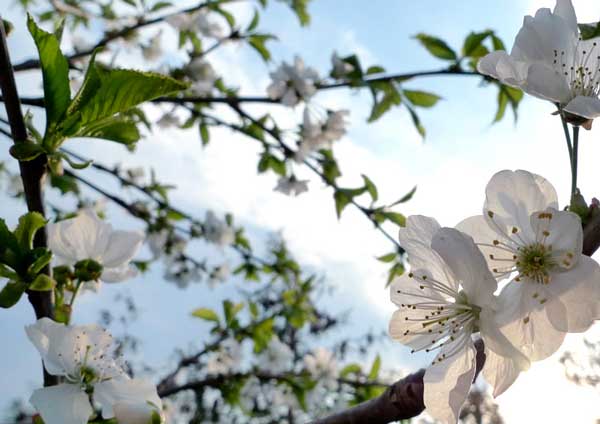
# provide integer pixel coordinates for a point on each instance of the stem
(574, 160)
(568, 139)
(33, 174)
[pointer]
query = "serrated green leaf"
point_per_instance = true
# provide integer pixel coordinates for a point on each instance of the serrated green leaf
(28, 225)
(436, 46)
(421, 98)
(55, 74)
(42, 282)
(11, 293)
(206, 314)
(117, 129)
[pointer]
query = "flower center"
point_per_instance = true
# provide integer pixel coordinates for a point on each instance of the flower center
(535, 262)
(582, 76)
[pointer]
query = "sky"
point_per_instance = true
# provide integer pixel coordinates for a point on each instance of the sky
(450, 167)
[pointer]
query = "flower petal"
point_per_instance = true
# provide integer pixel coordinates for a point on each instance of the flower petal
(416, 239)
(500, 65)
(500, 371)
(565, 9)
(587, 107)
(576, 294)
(62, 404)
(467, 263)
(562, 230)
(54, 342)
(133, 412)
(447, 384)
(119, 390)
(121, 248)
(497, 342)
(547, 83)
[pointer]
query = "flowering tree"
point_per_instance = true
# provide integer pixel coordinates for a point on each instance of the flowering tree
(492, 295)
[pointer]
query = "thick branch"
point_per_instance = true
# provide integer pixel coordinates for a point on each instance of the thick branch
(33, 174)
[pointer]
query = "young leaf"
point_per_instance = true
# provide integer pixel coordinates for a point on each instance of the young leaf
(55, 73)
(421, 98)
(371, 188)
(25, 151)
(206, 314)
(28, 225)
(473, 47)
(375, 369)
(117, 129)
(390, 257)
(11, 293)
(42, 283)
(341, 201)
(436, 47)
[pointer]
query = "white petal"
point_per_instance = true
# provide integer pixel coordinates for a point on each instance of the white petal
(467, 264)
(111, 392)
(500, 65)
(121, 248)
(62, 404)
(447, 384)
(497, 341)
(588, 107)
(54, 342)
(514, 195)
(525, 323)
(116, 275)
(564, 9)
(416, 239)
(133, 412)
(576, 294)
(562, 230)
(499, 371)
(547, 83)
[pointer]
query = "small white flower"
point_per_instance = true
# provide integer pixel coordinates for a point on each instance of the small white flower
(317, 134)
(217, 231)
(291, 186)
(203, 76)
(226, 359)
(446, 298)
(88, 237)
(551, 62)
(340, 68)
(522, 234)
(136, 413)
(168, 120)
(219, 274)
(293, 83)
(277, 357)
(153, 51)
(82, 356)
(195, 22)
(165, 242)
(322, 366)
(181, 272)
(136, 175)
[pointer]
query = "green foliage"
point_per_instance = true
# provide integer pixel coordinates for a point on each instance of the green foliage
(507, 96)
(437, 47)
(589, 31)
(206, 314)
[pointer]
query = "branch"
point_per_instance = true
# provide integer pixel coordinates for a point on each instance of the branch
(35, 63)
(33, 174)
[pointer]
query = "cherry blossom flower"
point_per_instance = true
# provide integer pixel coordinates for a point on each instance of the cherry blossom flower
(137, 413)
(196, 22)
(165, 242)
(218, 231)
(153, 50)
(446, 298)
(168, 120)
(322, 366)
(318, 134)
(82, 356)
(226, 359)
(293, 83)
(88, 237)
(203, 76)
(291, 186)
(555, 288)
(219, 274)
(277, 357)
(551, 62)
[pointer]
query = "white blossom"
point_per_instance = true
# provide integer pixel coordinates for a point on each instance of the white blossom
(153, 51)
(277, 357)
(88, 237)
(196, 22)
(550, 61)
(320, 134)
(522, 233)
(203, 76)
(291, 186)
(82, 356)
(219, 274)
(165, 242)
(137, 413)
(226, 359)
(168, 120)
(446, 298)
(293, 83)
(322, 366)
(218, 231)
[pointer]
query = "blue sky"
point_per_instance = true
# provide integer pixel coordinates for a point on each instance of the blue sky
(450, 168)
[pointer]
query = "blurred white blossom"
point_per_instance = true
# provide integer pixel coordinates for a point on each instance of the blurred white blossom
(292, 84)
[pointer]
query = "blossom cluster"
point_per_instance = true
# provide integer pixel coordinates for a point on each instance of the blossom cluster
(515, 274)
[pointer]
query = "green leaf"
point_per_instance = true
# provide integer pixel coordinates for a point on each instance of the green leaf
(28, 225)
(254, 23)
(11, 293)
(160, 5)
(406, 197)
(350, 369)
(117, 129)
(206, 314)
(395, 217)
(204, 133)
(507, 96)
(589, 30)
(391, 98)
(257, 41)
(42, 283)
(8, 27)
(64, 183)
(390, 257)
(375, 369)
(41, 258)
(371, 188)
(497, 43)
(421, 98)
(230, 310)
(26, 151)
(105, 93)
(341, 201)
(301, 9)
(262, 334)
(55, 74)
(473, 47)
(436, 47)
(416, 120)
(73, 164)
